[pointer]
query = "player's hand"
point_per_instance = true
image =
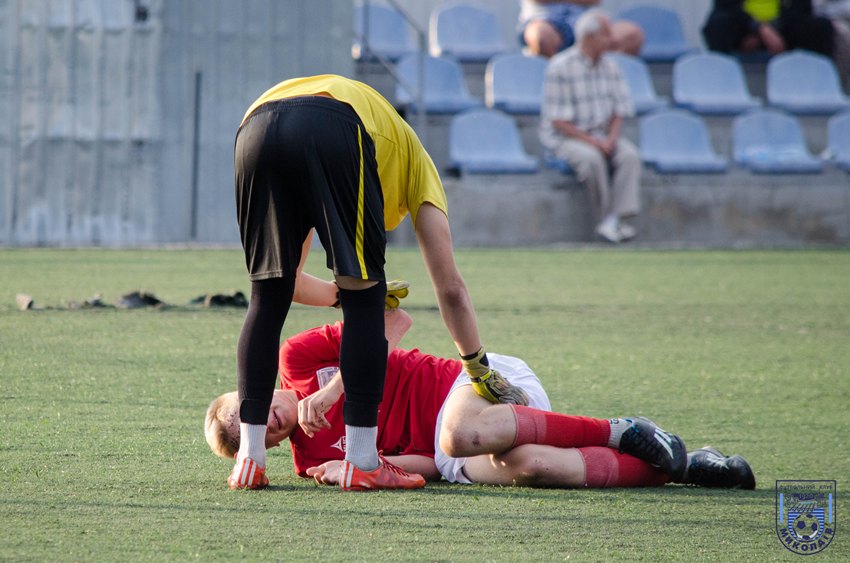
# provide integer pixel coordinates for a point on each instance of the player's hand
(327, 473)
(396, 290)
(489, 383)
(312, 410)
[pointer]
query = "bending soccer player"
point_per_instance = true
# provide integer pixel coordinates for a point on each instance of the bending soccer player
(329, 153)
(433, 423)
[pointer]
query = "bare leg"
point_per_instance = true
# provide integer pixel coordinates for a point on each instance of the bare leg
(530, 465)
(542, 38)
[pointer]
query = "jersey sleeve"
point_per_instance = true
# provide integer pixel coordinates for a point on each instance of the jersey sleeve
(305, 353)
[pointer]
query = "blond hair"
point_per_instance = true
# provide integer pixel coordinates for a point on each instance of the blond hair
(221, 426)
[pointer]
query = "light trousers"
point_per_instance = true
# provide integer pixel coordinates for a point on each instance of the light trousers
(613, 183)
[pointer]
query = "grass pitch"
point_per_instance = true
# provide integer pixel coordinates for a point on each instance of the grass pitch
(102, 455)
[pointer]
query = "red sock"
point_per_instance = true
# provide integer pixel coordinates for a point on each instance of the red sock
(605, 467)
(534, 426)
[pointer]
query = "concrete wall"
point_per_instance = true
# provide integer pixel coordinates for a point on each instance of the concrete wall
(97, 110)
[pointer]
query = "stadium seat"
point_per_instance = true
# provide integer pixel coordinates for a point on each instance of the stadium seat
(514, 83)
(838, 140)
(711, 83)
(487, 141)
(770, 141)
(638, 80)
(677, 142)
(389, 34)
(445, 89)
(804, 83)
(466, 32)
(555, 163)
(664, 39)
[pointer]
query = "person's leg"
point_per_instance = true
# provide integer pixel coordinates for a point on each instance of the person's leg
(813, 33)
(627, 37)
(541, 38)
(473, 426)
(363, 365)
(726, 30)
(841, 53)
(256, 361)
(271, 236)
(591, 169)
(547, 466)
(625, 185)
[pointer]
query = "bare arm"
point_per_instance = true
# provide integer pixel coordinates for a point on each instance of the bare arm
(310, 290)
(328, 472)
(435, 240)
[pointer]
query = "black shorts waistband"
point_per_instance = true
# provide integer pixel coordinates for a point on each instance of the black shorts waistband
(322, 102)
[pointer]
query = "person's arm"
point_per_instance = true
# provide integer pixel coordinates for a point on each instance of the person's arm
(435, 241)
(328, 472)
(310, 290)
(312, 408)
(568, 129)
(614, 126)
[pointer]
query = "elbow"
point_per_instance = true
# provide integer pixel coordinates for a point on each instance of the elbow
(454, 294)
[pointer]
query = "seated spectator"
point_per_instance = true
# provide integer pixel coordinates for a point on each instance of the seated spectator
(838, 11)
(584, 102)
(771, 25)
(547, 27)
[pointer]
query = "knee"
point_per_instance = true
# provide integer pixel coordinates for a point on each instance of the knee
(591, 165)
(460, 441)
(542, 39)
(628, 38)
(527, 468)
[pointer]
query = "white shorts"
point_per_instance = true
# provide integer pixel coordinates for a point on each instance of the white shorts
(514, 370)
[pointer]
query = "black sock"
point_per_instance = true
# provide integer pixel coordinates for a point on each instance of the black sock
(363, 353)
(257, 351)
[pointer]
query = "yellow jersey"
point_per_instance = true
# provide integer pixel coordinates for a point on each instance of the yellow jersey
(408, 175)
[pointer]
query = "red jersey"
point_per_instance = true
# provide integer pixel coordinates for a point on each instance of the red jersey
(403, 427)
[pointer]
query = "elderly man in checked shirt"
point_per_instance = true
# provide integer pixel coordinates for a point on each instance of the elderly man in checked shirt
(584, 102)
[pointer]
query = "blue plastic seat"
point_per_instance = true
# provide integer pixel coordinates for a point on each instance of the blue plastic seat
(838, 140)
(711, 83)
(445, 89)
(677, 142)
(389, 34)
(769, 141)
(466, 32)
(664, 39)
(805, 83)
(514, 83)
(487, 141)
(639, 82)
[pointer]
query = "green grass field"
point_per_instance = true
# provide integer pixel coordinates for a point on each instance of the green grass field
(102, 454)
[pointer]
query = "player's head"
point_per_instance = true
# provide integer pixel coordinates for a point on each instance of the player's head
(221, 426)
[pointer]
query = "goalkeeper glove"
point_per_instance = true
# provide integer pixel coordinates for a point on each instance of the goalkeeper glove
(489, 383)
(396, 290)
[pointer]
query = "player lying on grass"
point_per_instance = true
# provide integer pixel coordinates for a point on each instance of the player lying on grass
(433, 423)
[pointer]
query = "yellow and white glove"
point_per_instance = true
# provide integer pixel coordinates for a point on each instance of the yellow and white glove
(396, 290)
(489, 383)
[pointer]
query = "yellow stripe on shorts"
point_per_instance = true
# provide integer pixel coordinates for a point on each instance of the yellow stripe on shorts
(360, 205)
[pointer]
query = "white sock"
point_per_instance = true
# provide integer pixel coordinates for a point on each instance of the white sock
(361, 448)
(618, 426)
(252, 443)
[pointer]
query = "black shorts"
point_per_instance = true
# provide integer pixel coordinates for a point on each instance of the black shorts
(305, 163)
